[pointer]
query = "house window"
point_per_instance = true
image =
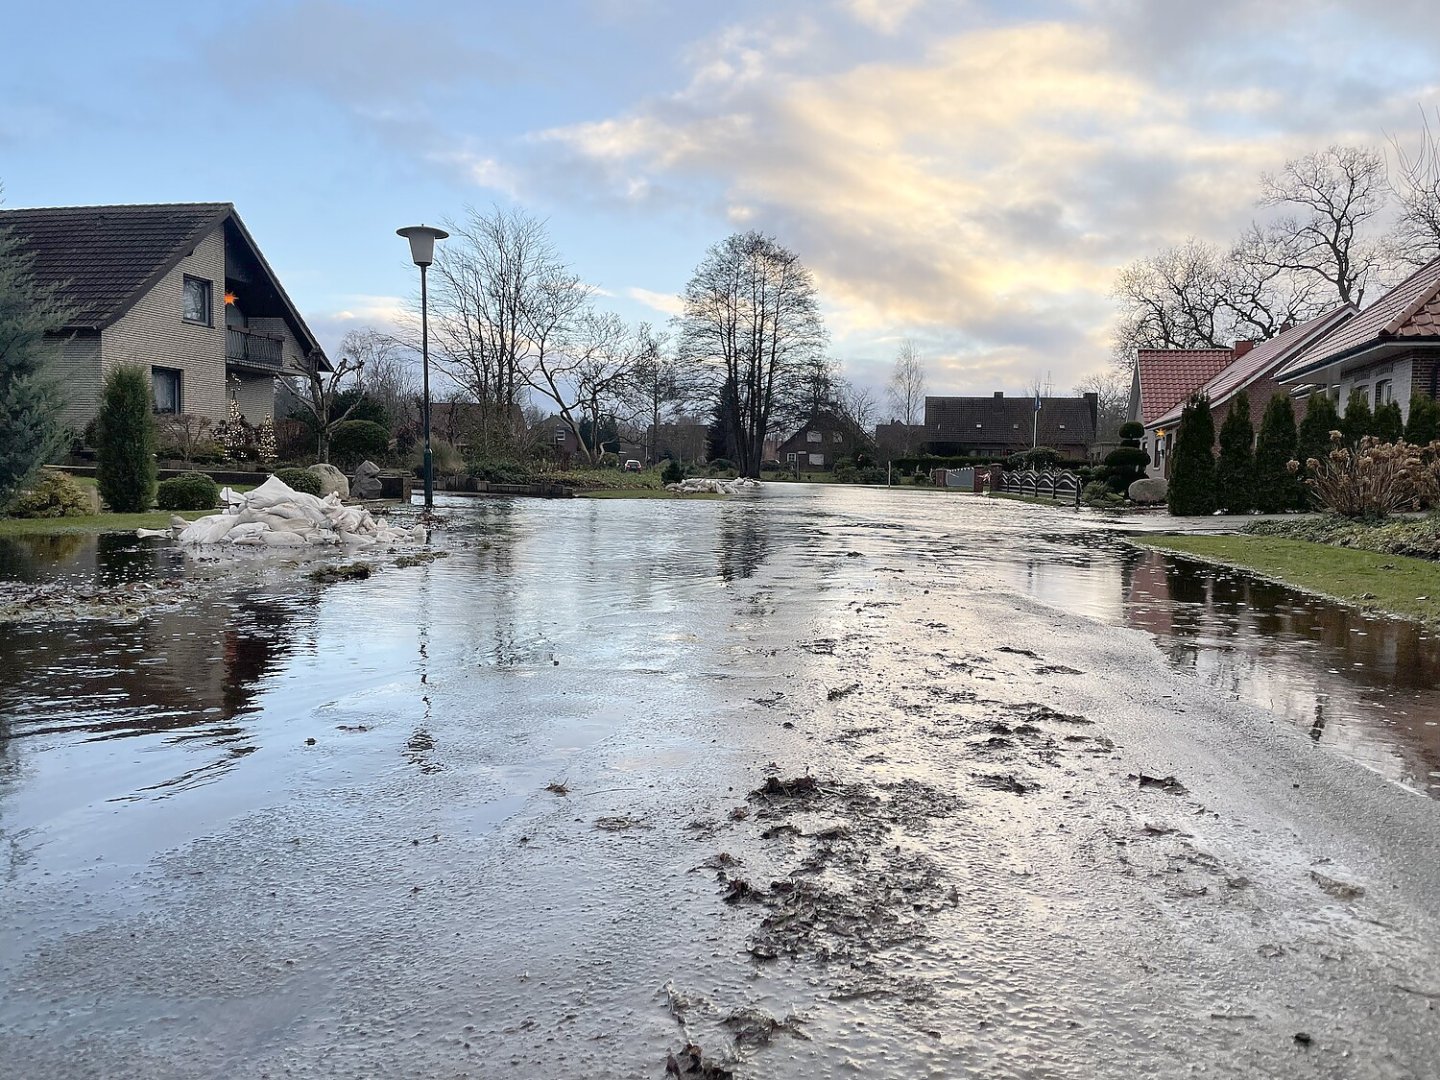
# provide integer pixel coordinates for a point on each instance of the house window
(165, 385)
(559, 435)
(791, 458)
(837, 437)
(1384, 392)
(818, 460)
(197, 301)
(813, 436)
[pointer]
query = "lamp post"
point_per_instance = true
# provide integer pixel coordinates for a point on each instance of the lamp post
(422, 250)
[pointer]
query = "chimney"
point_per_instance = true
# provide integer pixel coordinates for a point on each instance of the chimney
(999, 393)
(1243, 346)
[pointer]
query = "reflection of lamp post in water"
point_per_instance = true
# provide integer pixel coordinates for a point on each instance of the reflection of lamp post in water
(422, 250)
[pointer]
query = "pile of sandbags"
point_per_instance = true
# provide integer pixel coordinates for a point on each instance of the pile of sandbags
(276, 515)
(698, 485)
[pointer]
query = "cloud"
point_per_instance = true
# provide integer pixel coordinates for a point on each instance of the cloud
(984, 190)
(882, 15)
(666, 303)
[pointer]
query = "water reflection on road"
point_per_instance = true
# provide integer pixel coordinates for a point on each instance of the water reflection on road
(196, 680)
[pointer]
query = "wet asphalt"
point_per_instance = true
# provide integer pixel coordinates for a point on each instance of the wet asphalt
(819, 782)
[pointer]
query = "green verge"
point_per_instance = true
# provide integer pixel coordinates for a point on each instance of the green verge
(1393, 584)
(93, 523)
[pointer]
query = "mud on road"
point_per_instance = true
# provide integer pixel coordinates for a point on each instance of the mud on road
(738, 806)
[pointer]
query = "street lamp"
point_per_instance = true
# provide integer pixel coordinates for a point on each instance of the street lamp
(422, 250)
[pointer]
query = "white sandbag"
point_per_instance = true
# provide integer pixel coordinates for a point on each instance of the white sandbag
(275, 515)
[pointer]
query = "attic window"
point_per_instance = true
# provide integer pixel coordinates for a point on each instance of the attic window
(979, 425)
(196, 301)
(1062, 427)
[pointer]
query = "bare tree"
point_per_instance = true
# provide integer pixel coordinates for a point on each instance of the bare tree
(588, 374)
(1416, 183)
(389, 374)
(906, 390)
(819, 383)
(858, 405)
(1112, 400)
(318, 391)
(1332, 195)
(661, 384)
(500, 298)
(751, 321)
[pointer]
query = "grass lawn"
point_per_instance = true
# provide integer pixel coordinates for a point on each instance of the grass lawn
(1396, 584)
(93, 523)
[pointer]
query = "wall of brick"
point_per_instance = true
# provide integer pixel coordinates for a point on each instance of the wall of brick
(255, 394)
(73, 362)
(155, 334)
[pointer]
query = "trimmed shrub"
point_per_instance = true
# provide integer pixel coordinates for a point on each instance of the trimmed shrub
(194, 492)
(1313, 437)
(721, 464)
(672, 473)
(1423, 427)
(1388, 425)
(354, 441)
(1358, 421)
(1123, 466)
(52, 495)
(125, 441)
(1235, 470)
(1097, 493)
(501, 472)
(1192, 469)
(1132, 431)
(300, 480)
(1276, 487)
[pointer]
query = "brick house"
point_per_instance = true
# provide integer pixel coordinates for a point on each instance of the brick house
(1254, 369)
(180, 288)
(823, 440)
(998, 426)
(1388, 352)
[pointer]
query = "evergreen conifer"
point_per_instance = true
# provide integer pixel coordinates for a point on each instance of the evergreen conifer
(1423, 427)
(1388, 425)
(31, 431)
(1276, 487)
(1358, 420)
(125, 463)
(1192, 469)
(1235, 469)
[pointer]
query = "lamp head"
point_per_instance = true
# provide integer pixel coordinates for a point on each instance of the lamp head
(422, 242)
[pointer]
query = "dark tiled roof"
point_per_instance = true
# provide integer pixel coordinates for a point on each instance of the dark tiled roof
(1009, 421)
(106, 257)
(1264, 359)
(1169, 376)
(1410, 310)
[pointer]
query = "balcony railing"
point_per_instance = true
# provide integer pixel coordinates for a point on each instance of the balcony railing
(243, 347)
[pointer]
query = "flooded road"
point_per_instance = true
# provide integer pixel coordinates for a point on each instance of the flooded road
(532, 809)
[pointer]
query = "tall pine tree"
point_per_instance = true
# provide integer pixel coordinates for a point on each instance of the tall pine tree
(31, 431)
(1192, 468)
(1321, 419)
(1235, 470)
(1276, 487)
(125, 461)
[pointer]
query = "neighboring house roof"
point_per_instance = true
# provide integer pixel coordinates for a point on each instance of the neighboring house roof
(1264, 359)
(1012, 420)
(1411, 310)
(1169, 376)
(826, 420)
(104, 259)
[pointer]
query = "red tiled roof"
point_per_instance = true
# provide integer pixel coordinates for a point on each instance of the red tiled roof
(1410, 310)
(1169, 376)
(1264, 359)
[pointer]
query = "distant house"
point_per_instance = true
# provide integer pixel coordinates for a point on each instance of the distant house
(1165, 378)
(1255, 370)
(823, 440)
(553, 436)
(998, 426)
(896, 439)
(1388, 352)
(180, 288)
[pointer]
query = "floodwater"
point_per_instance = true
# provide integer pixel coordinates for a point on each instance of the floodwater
(451, 820)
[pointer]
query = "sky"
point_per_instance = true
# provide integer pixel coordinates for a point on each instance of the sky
(970, 175)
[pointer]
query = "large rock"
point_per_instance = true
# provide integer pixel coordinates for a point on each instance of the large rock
(367, 481)
(332, 481)
(1149, 491)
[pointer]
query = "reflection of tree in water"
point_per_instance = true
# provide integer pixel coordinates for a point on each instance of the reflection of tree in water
(744, 538)
(29, 558)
